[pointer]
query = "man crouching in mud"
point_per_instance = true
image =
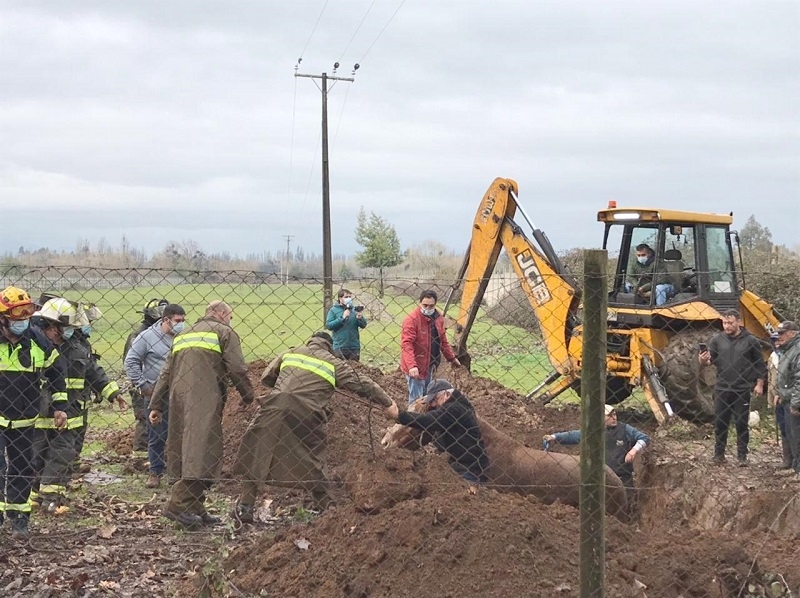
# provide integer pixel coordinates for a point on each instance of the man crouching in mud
(451, 421)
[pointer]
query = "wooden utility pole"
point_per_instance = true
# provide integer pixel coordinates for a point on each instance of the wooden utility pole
(327, 259)
(288, 256)
(593, 398)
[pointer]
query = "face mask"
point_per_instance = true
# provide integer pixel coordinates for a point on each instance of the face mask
(66, 334)
(178, 327)
(18, 327)
(348, 301)
(427, 311)
(642, 260)
(86, 330)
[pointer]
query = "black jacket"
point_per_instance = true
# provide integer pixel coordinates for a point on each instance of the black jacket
(455, 429)
(739, 361)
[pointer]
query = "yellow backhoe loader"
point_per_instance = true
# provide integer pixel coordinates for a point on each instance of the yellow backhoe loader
(654, 328)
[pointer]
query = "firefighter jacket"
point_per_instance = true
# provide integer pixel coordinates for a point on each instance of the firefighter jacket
(83, 374)
(26, 368)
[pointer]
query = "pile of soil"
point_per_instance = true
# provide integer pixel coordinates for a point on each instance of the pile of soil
(405, 525)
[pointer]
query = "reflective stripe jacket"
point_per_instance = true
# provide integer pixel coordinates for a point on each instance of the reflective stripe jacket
(305, 378)
(83, 375)
(26, 368)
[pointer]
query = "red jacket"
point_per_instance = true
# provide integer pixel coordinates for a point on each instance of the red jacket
(415, 342)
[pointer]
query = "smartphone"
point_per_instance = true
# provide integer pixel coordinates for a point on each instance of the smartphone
(703, 347)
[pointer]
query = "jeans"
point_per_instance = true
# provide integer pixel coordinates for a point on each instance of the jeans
(731, 404)
(663, 292)
(417, 386)
(157, 442)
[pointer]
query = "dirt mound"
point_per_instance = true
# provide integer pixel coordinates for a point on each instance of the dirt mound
(486, 545)
(405, 524)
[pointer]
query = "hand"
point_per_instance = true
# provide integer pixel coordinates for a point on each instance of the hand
(346, 314)
(414, 372)
(60, 420)
(122, 404)
(704, 358)
(359, 315)
(455, 363)
(776, 400)
(155, 417)
(631, 455)
(392, 412)
(759, 389)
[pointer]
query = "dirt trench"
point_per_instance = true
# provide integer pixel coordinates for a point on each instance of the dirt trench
(405, 526)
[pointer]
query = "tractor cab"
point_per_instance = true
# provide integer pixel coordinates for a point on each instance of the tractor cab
(667, 258)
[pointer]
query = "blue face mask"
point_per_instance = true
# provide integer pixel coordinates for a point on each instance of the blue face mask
(178, 327)
(18, 327)
(67, 333)
(86, 330)
(348, 301)
(642, 260)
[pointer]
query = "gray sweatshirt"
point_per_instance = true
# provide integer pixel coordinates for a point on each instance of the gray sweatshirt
(147, 356)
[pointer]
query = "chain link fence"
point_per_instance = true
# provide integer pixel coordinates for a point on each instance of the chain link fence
(296, 480)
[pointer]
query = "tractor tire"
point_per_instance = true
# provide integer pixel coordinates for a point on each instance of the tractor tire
(689, 386)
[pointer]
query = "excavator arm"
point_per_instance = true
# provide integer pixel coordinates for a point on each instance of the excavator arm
(553, 294)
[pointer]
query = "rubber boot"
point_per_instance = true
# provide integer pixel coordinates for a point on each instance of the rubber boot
(19, 527)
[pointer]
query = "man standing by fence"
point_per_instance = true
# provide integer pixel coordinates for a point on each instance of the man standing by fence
(345, 322)
(788, 387)
(423, 343)
(143, 364)
(741, 370)
(152, 313)
(193, 379)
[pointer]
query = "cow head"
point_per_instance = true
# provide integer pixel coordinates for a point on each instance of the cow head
(406, 437)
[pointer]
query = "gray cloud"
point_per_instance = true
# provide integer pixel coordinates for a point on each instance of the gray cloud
(164, 120)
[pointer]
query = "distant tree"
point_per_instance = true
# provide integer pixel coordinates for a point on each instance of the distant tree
(754, 236)
(380, 243)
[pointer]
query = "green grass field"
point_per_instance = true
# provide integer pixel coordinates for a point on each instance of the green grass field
(273, 318)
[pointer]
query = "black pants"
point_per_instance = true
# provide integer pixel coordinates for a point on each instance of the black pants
(15, 486)
(793, 435)
(735, 404)
(54, 456)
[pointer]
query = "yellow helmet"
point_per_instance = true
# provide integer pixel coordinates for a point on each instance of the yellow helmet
(16, 304)
(61, 311)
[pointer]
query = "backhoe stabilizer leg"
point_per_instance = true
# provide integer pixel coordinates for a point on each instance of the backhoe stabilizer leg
(553, 389)
(655, 393)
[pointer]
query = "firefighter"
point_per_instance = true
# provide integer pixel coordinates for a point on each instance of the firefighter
(56, 444)
(28, 365)
(153, 312)
(82, 334)
(193, 379)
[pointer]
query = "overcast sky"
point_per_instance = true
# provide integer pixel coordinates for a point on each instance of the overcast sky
(169, 119)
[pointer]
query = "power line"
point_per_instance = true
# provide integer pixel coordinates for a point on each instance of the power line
(382, 30)
(364, 18)
(291, 150)
(312, 32)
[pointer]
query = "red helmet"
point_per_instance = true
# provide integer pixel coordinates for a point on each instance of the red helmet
(16, 304)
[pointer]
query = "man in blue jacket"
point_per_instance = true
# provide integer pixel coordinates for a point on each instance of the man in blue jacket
(623, 443)
(345, 322)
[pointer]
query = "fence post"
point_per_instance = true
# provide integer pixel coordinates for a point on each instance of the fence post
(593, 394)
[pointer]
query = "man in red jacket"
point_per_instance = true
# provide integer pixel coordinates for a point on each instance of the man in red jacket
(423, 343)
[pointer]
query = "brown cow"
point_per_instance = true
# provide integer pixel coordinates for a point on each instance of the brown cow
(513, 467)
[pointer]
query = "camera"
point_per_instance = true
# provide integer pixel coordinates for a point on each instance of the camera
(359, 308)
(703, 347)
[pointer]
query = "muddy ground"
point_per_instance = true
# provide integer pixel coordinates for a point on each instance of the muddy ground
(405, 525)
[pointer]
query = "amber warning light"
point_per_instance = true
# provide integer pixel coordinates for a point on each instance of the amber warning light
(612, 204)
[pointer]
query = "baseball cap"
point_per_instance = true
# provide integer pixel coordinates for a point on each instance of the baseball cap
(787, 325)
(610, 409)
(435, 387)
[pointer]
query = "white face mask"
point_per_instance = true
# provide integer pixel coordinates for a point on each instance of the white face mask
(429, 311)
(642, 260)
